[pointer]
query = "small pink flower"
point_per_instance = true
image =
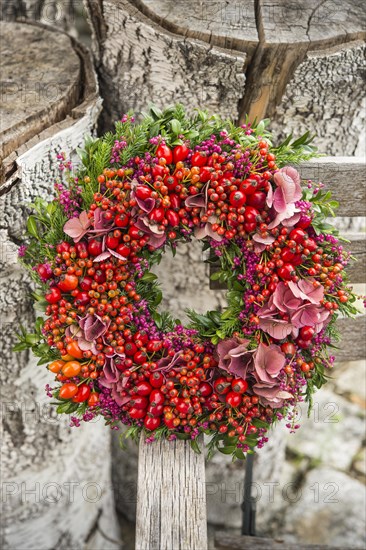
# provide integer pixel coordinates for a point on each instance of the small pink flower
(291, 307)
(101, 224)
(165, 364)
(76, 228)
(306, 290)
(207, 231)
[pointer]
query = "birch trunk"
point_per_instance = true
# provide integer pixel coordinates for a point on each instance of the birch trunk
(56, 490)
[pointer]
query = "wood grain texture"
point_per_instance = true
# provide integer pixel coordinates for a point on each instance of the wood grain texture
(352, 346)
(40, 94)
(316, 23)
(345, 177)
(171, 498)
(225, 541)
(33, 110)
(54, 495)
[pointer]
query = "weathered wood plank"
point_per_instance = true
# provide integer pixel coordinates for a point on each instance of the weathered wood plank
(171, 498)
(225, 541)
(357, 246)
(345, 177)
(352, 345)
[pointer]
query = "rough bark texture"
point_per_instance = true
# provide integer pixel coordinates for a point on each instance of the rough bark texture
(171, 505)
(326, 97)
(302, 65)
(138, 63)
(56, 489)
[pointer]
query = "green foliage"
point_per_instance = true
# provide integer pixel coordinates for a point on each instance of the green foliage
(294, 151)
(35, 342)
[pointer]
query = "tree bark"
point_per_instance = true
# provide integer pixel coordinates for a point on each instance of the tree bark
(56, 490)
(301, 65)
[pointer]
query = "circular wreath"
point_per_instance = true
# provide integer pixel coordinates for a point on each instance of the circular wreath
(229, 374)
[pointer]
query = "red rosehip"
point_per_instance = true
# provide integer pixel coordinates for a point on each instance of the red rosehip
(239, 385)
(54, 295)
(163, 151)
(152, 422)
(180, 153)
(233, 399)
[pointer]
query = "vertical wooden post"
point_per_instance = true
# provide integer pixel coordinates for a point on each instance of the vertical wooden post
(171, 497)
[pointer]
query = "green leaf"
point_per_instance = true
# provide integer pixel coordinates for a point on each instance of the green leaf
(32, 339)
(158, 319)
(216, 276)
(182, 436)
(195, 446)
(260, 128)
(155, 112)
(149, 277)
(20, 347)
(192, 134)
(32, 227)
(229, 450)
(175, 126)
(68, 407)
(239, 454)
(157, 299)
(51, 207)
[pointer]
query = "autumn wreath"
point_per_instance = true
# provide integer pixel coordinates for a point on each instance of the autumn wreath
(140, 191)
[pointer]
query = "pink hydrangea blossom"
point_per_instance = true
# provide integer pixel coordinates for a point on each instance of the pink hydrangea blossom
(111, 378)
(76, 228)
(268, 364)
(283, 199)
(292, 306)
(157, 236)
(234, 356)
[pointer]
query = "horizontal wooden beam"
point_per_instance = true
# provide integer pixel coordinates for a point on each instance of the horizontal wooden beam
(345, 177)
(352, 346)
(357, 246)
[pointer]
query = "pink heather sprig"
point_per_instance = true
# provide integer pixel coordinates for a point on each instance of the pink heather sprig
(126, 118)
(118, 146)
(22, 250)
(69, 199)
